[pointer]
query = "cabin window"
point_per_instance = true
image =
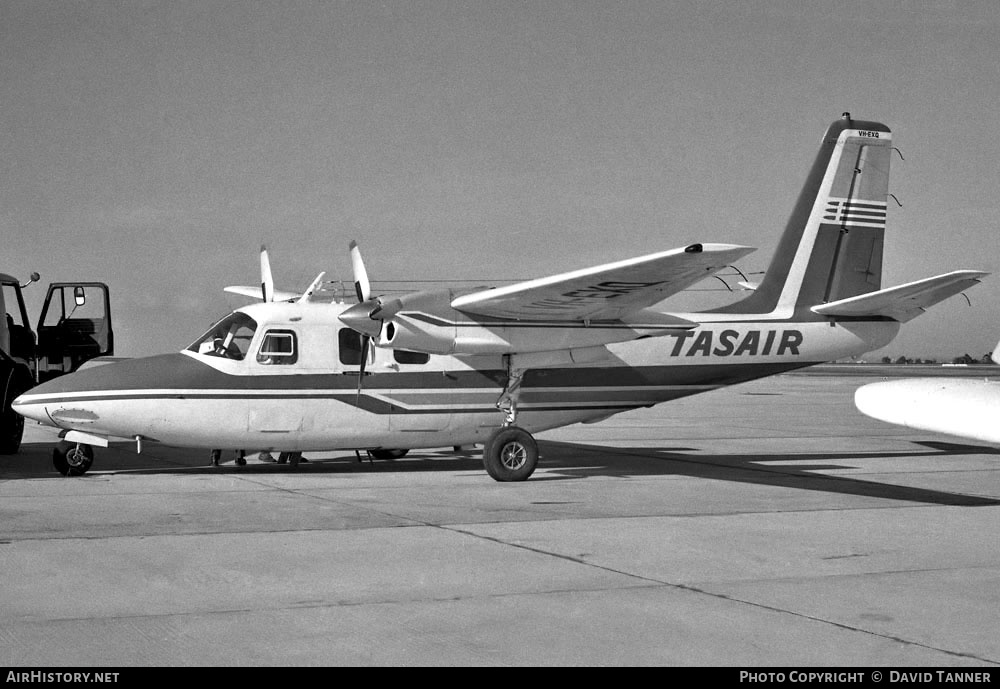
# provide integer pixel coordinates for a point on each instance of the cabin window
(278, 348)
(229, 338)
(403, 356)
(350, 347)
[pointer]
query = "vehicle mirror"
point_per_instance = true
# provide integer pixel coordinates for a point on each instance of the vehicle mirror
(78, 296)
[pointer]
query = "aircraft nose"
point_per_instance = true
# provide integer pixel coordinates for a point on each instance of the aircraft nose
(24, 406)
(874, 400)
(35, 404)
(70, 400)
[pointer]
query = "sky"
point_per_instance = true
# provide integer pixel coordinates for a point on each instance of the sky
(156, 146)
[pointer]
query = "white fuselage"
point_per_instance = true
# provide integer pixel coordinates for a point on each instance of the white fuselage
(199, 400)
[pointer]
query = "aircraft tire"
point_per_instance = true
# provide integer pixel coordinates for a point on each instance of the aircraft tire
(71, 459)
(510, 454)
(388, 454)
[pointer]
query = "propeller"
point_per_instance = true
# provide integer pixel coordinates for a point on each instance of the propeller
(362, 286)
(363, 289)
(370, 313)
(266, 291)
(266, 280)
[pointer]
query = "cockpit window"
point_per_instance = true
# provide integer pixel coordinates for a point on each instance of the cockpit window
(229, 338)
(278, 348)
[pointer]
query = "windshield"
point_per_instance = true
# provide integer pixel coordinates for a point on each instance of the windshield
(229, 338)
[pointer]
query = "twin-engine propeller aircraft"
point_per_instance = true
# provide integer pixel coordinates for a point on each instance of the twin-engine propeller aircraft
(299, 372)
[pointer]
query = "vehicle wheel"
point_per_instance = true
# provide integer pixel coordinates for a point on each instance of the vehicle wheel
(510, 454)
(387, 454)
(12, 423)
(11, 430)
(71, 459)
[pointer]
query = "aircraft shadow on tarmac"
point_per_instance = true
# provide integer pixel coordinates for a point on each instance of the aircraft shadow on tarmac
(558, 461)
(764, 469)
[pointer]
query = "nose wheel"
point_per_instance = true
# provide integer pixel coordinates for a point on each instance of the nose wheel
(510, 454)
(72, 459)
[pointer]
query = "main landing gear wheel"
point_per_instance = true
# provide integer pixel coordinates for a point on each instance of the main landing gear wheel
(72, 459)
(510, 454)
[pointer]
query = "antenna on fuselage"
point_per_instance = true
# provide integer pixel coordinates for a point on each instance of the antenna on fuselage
(307, 296)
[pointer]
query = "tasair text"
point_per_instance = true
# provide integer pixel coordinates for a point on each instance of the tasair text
(734, 343)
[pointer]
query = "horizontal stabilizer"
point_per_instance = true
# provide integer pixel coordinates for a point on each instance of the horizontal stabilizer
(608, 291)
(258, 293)
(904, 302)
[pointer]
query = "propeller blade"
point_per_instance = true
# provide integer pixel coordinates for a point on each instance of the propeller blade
(266, 281)
(362, 286)
(365, 344)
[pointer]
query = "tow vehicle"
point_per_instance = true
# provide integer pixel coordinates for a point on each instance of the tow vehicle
(73, 328)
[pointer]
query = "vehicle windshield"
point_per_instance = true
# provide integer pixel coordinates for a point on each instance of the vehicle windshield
(229, 338)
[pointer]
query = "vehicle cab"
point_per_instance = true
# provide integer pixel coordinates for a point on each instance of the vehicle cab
(74, 327)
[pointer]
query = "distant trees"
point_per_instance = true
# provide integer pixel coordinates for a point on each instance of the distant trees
(965, 359)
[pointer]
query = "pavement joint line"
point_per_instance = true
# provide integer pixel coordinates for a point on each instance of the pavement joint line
(694, 589)
(648, 584)
(420, 523)
(342, 604)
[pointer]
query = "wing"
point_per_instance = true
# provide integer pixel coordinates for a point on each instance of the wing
(607, 291)
(904, 302)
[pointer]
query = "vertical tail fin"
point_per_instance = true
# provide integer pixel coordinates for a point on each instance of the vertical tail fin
(832, 245)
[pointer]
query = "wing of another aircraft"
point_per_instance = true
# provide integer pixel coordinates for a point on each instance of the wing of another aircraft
(904, 302)
(258, 293)
(606, 291)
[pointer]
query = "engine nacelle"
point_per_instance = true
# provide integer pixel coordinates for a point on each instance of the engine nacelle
(423, 332)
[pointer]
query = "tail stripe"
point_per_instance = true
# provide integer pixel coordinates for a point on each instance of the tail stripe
(853, 213)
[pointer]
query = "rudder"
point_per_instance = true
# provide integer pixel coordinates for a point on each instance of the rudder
(831, 248)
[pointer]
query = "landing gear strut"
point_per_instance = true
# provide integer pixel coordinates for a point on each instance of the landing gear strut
(72, 459)
(510, 453)
(507, 402)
